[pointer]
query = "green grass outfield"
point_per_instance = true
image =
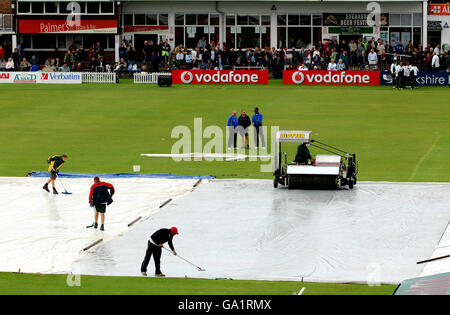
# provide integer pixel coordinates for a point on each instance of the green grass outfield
(13, 283)
(397, 135)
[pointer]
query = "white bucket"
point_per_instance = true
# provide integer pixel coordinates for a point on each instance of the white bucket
(136, 168)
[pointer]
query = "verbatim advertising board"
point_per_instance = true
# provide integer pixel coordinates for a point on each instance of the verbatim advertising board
(60, 77)
(312, 77)
(41, 77)
(220, 77)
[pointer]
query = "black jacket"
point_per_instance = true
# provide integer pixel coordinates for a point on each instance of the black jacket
(162, 236)
(56, 162)
(303, 154)
(101, 192)
(244, 121)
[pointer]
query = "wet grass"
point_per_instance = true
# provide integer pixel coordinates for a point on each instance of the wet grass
(30, 284)
(397, 135)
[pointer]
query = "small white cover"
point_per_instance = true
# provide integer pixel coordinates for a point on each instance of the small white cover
(328, 160)
(311, 170)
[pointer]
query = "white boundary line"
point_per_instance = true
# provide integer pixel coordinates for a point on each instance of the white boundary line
(227, 156)
(424, 156)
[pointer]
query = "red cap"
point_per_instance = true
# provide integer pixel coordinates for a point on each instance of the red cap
(174, 230)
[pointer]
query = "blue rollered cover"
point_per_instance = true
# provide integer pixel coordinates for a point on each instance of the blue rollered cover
(122, 175)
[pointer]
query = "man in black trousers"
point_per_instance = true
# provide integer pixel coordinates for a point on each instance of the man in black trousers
(393, 73)
(155, 243)
(413, 76)
(244, 123)
(399, 75)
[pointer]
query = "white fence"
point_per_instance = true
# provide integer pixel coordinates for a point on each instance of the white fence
(98, 77)
(6, 22)
(149, 78)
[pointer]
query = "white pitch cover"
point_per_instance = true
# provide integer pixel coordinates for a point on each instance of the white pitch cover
(246, 229)
(42, 232)
(240, 229)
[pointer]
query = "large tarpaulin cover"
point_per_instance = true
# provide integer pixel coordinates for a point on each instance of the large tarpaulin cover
(42, 232)
(246, 229)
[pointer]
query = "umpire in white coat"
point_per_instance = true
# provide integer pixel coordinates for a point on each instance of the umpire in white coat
(394, 73)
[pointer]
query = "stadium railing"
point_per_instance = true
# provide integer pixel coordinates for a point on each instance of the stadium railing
(149, 78)
(98, 77)
(249, 68)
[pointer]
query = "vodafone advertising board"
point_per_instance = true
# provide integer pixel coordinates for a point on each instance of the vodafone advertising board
(311, 77)
(220, 77)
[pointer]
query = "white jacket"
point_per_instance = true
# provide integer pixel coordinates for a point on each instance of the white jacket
(393, 68)
(414, 70)
(435, 61)
(10, 65)
(406, 71)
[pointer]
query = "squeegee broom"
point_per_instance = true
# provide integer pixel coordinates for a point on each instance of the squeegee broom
(65, 192)
(198, 268)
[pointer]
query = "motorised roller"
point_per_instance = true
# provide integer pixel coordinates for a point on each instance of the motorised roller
(325, 171)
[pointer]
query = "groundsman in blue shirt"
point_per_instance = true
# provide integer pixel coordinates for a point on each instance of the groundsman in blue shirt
(232, 123)
(257, 120)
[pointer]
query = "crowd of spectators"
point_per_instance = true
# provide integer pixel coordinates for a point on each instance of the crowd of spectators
(358, 54)
(361, 54)
(75, 59)
(151, 57)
